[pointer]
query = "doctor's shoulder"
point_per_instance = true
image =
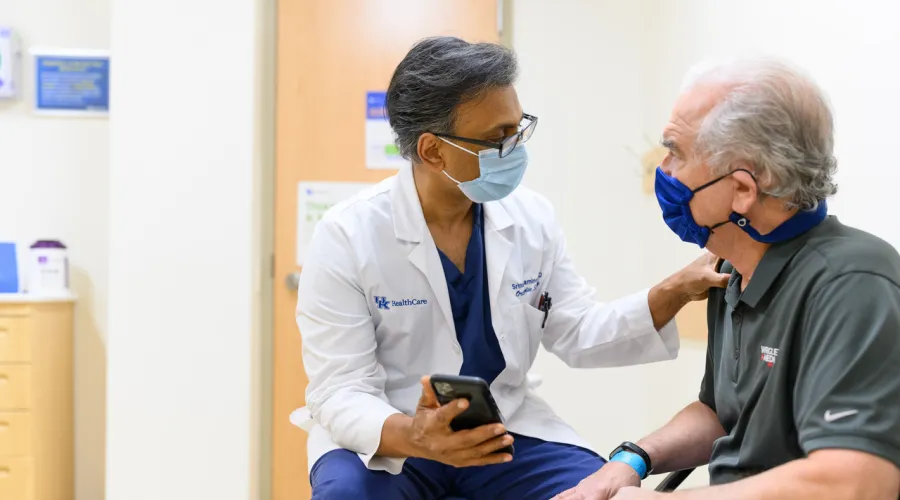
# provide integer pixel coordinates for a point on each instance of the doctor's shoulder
(361, 206)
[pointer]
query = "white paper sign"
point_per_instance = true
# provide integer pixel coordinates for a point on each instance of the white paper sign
(381, 151)
(313, 200)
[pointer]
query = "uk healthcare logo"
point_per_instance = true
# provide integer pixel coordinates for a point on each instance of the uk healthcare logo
(385, 303)
(382, 303)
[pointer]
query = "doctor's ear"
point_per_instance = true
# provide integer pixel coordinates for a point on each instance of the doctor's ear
(429, 151)
(746, 190)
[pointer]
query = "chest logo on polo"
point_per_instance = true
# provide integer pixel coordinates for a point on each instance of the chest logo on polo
(768, 355)
(385, 304)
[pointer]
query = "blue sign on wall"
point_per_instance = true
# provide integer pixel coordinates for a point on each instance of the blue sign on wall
(375, 102)
(72, 83)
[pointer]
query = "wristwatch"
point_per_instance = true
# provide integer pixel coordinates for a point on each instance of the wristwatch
(633, 455)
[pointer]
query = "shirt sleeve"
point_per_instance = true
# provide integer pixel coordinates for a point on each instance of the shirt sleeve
(345, 394)
(847, 393)
(708, 384)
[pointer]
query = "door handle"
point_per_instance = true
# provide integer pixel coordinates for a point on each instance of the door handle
(292, 281)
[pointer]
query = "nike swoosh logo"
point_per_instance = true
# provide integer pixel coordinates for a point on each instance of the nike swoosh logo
(831, 417)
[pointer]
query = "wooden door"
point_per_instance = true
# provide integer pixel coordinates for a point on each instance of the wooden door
(329, 54)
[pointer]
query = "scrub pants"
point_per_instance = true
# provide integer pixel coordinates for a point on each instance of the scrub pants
(538, 470)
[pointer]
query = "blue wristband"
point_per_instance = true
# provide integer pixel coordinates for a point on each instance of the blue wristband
(632, 459)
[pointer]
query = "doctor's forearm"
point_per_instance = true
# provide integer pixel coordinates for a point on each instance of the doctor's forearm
(665, 300)
(395, 437)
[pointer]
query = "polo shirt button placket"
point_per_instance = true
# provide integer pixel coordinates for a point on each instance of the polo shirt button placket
(737, 318)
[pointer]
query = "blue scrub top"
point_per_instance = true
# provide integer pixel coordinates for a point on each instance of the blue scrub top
(471, 306)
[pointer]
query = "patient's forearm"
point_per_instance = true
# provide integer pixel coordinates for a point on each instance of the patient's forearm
(824, 475)
(395, 442)
(686, 441)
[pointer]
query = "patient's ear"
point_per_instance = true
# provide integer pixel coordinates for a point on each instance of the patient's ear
(746, 191)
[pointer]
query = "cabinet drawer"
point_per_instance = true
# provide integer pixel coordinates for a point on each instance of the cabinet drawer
(15, 387)
(15, 478)
(15, 434)
(15, 343)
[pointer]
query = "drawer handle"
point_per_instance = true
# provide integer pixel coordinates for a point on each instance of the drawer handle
(4, 472)
(3, 426)
(4, 378)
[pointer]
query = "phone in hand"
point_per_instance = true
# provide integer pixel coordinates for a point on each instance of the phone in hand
(482, 408)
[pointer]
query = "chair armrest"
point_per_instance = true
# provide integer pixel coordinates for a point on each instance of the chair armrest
(673, 480)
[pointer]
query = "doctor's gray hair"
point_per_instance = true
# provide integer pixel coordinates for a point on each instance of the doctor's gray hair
(436, 76)
(774, 118)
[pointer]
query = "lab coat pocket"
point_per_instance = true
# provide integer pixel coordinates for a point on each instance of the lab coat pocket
(527, 331)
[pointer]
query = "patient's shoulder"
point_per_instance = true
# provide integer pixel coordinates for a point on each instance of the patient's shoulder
(846, 250)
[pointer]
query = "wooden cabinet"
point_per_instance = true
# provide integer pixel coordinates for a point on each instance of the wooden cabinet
(36, 399)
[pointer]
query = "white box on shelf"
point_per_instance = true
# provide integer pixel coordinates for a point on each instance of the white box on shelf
(10, 63)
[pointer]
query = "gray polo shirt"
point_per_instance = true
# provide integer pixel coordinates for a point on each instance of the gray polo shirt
(808, 356)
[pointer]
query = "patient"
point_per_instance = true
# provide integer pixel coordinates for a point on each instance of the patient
(801, 396)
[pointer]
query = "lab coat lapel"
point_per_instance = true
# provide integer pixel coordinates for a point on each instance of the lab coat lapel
(409, 225)
(498, 249)
(425, 257)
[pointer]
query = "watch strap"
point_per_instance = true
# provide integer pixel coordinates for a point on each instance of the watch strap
(637, 450)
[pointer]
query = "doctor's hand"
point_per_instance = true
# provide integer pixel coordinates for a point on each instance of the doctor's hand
(603, 484)
(699, 276)
(432, 437)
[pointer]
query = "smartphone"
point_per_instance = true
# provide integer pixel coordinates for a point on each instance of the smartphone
(482, 408)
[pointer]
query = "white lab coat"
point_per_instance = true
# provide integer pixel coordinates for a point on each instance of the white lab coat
(374, 314)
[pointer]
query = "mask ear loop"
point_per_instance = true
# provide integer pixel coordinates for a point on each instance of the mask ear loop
(717, 179)
(456, 146)
(743, 221)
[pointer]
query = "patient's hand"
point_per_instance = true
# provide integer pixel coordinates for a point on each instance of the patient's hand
(603, 484)
(433, 439)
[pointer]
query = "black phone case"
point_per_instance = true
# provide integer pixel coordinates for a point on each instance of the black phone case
(482, 408)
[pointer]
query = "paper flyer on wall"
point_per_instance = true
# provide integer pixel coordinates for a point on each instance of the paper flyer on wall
(313, 200)
(381, 151)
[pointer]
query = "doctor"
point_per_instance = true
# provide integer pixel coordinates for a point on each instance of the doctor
(440, 269)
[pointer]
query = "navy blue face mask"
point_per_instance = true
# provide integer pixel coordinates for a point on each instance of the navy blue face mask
(674, 198)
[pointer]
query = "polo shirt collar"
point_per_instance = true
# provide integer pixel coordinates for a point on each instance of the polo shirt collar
(770, 267)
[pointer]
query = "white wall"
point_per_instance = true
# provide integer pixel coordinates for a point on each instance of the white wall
(584, 74)
(603, 75)
(183, 250)
(850, 48)
(53, 184)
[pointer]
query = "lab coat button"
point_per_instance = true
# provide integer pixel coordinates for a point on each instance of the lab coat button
(456, 348)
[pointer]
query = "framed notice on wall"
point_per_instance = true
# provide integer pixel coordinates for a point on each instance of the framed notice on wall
(71, 82)
(381, 151)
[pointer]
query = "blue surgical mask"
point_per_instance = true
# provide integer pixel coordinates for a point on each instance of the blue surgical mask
(498, 176)
(674, 199)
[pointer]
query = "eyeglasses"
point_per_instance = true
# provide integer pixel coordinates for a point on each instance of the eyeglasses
(507, 144)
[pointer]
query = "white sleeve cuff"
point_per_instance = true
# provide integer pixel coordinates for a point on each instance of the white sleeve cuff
(391, 465)
(669, 343)
(368, 439)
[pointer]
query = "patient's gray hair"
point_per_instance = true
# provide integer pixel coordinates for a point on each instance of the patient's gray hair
(775, 118)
